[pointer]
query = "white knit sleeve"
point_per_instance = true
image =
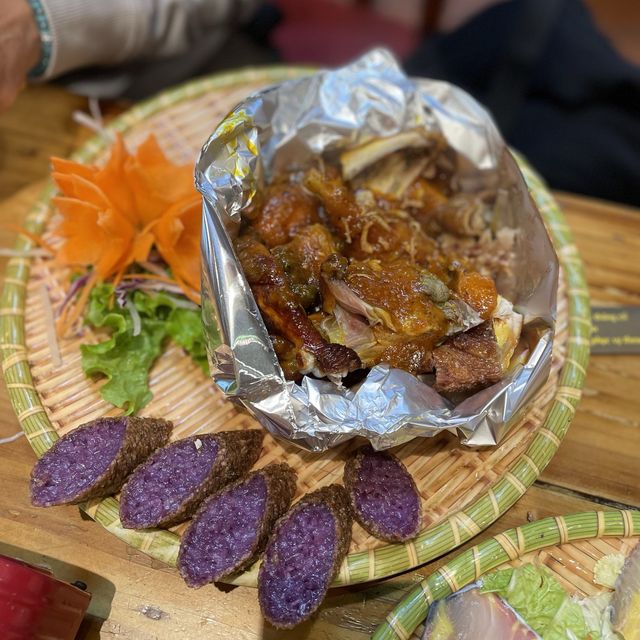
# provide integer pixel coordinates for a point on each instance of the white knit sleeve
(108, 32)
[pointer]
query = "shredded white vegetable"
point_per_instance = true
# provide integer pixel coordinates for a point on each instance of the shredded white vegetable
(93, 120)
(135, 317)
(12, 438)
(19, 253)
(184, 304)
(95, 111)
(153, 268)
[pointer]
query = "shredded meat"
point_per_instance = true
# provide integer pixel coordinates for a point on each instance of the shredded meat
(385, 268)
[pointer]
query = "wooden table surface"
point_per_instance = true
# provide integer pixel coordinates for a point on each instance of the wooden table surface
(136, 598)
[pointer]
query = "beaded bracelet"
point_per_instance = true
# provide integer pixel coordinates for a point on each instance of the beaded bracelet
(46, 39)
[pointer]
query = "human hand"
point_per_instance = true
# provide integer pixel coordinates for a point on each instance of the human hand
(19, 48)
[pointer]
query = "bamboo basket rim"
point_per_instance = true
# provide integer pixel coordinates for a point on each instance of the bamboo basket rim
(381, 562)
(467, 567)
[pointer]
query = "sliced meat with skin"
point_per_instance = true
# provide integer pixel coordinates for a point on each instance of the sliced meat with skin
(384, 497)
(285, 315)
(398, 294)
(370, 226)
(468, 361)
(478, 291)
(304, 555)
(94, 460)
(232, 526)
(338, 200)
(173, 482)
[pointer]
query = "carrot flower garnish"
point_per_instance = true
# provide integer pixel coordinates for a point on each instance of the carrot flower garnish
(177, 238)
(112, 217)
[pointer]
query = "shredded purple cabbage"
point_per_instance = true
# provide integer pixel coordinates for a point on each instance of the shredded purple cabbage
(76, 285)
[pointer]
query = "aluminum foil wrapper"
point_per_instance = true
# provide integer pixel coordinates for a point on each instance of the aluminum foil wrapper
(287, 126)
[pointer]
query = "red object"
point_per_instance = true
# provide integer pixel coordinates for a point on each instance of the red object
(34, 605)
(324, 32)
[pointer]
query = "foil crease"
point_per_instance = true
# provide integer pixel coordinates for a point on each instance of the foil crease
(286, 127)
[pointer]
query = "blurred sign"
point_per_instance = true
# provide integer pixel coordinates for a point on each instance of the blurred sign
(615, 330)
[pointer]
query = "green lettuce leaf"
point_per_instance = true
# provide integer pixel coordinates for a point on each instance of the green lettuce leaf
(568, 618)
(185, 329)
(541, 601)
(607, 569)
(184, 326)
(125, 359)
(497, 582)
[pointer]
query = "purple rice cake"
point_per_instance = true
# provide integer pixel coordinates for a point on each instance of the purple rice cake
(304, 555)
(232, 526)
(173, 482)
(94, 460)
(384, 497)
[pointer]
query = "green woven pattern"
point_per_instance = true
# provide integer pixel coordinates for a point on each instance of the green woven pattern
(362, 566)
(470, 565)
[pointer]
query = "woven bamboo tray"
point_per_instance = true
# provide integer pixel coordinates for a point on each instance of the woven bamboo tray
(568, 546)
(463, 490)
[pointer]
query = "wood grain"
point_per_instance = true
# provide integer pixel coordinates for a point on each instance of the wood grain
(599, 455)
(135, 598)
(40, 125)
(37, 126)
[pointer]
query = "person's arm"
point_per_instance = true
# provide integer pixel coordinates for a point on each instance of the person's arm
(109, 32)
(20, 48)
(84, 33)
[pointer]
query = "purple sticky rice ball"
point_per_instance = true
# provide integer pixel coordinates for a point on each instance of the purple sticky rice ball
(384, 496)
(224, 533)
(168, 478)
(80, 459)
(298, 565)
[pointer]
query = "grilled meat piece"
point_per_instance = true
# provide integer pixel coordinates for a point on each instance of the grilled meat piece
(302, 258)
(287, 356)
(394, 313)
(468, 361)
(285, 209)
(382, 268)
(284, 314)
(477, 291)
(375, 345)
(396, 295)
(371, 226)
